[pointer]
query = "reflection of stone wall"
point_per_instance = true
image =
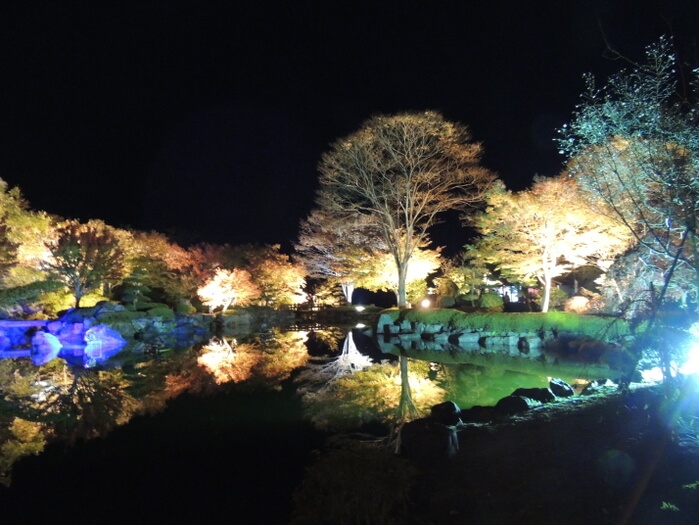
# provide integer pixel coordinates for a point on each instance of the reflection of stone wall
(254, 318)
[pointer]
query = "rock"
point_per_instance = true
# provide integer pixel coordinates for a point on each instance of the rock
(427, 442)
(478, 414)
(447, 413)
(600, 386)
(45, 347)
(560, 388)
(543, 395)
(515, 404)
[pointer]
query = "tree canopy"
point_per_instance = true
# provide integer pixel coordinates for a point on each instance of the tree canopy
(399, 173)
(85, 256)
(633, 145)
(545, 232)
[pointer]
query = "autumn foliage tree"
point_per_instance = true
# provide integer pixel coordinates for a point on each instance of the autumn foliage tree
(337, 248)
(279, 279)
(228, 288)
(400, 173)
(84, 256)
(545, 232)
(633, 145)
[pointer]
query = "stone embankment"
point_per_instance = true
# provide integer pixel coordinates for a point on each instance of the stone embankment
(554, 350)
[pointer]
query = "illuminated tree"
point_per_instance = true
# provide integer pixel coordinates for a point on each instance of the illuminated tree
(8, 251)
(379, 273)
(228, 287)
(333, 248)
(154, 263)
(545, 232)
(399, 173)
(467, 272)
(634, 147)
(280, 280)
(85, 256)
(24, 235)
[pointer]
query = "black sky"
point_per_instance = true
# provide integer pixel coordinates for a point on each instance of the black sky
(208, 118)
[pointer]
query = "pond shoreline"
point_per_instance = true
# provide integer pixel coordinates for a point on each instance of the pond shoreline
(599, 459)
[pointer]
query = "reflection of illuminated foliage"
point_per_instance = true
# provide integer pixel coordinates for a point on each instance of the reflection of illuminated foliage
(228, 288)
(326, 339)
(49, 401)
(349, 361)
(157, 381)
(25, 438)
(97, 402)
(356, 483)
(226, 364)
(281, 356)
(270, 363)
(373, 394)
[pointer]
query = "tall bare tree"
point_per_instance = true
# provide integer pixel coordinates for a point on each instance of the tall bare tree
(399, 173)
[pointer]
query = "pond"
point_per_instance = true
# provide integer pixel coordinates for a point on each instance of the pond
(218, 432)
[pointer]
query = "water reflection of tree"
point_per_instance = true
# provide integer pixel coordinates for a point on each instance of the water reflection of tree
(377, 394)
(355, 480)
(20, 438)
(265, 362)
(25, 391)
(96, 402)
(324, 341)
(55, 402)
(324, 372)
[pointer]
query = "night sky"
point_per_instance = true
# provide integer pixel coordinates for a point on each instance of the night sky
(206, 120)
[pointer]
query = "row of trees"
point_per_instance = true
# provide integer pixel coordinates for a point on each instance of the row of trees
(625, 205)
(46, 260)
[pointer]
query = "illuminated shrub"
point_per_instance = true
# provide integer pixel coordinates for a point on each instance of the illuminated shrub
(491, 302)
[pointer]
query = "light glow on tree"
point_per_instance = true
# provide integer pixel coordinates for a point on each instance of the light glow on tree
(228, 288)
(399, 174)
(545, 232)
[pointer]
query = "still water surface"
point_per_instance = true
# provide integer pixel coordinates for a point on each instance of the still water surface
(219, 432)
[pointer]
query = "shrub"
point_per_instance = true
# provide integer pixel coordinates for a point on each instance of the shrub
(28, 293)
(491, 302)
(558, 298)
(163, 312)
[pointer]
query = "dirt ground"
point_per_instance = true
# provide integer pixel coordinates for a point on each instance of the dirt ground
(614, 458)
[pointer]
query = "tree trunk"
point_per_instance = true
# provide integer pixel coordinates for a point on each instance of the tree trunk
(402, 275)
(406, 407)
(547, 294)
